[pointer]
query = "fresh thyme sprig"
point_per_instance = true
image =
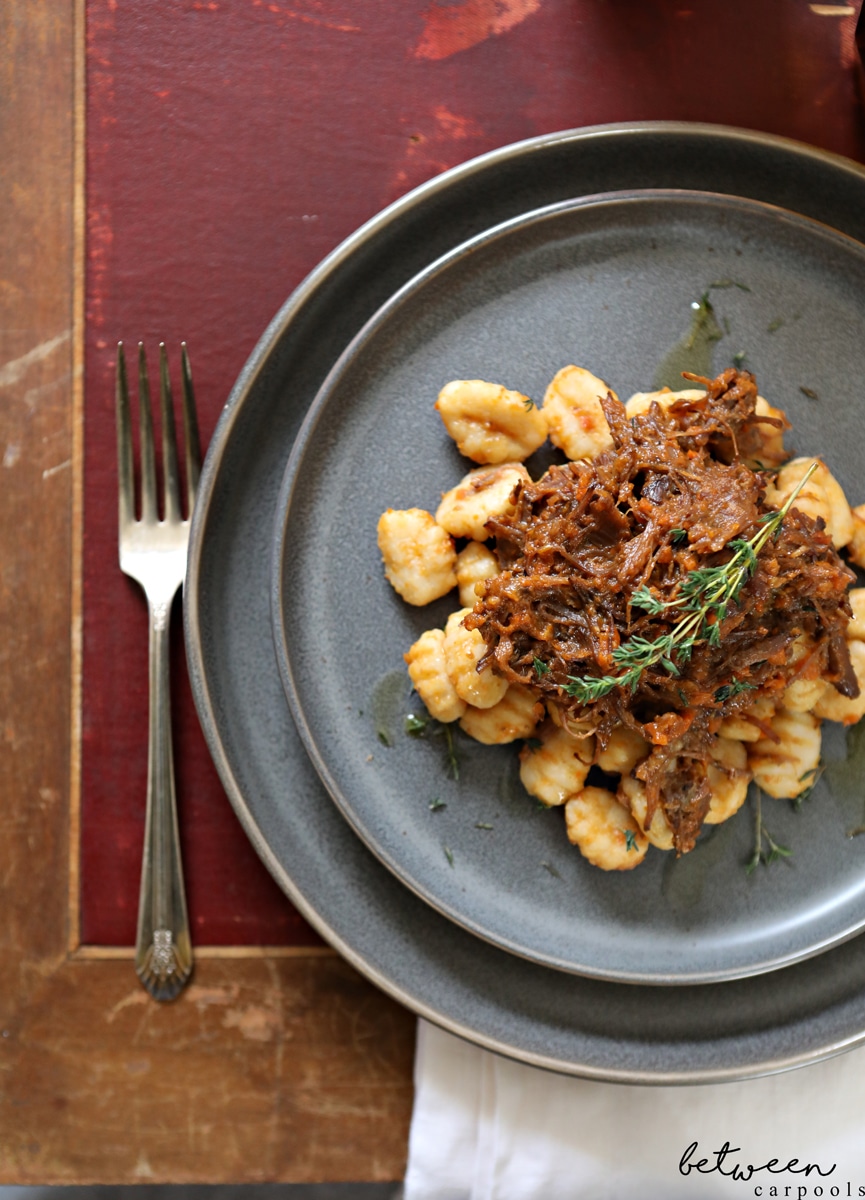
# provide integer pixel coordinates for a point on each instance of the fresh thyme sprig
(703, 600)
(761, 834)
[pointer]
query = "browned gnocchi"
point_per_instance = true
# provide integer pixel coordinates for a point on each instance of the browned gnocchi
(557, 766)
(428, 671)
(514, 716)
(480, 495)
(475, 564)
(490, 423)
(573, 412)
(821, 496)
(419, 555)
(604, 830)
(463, 649)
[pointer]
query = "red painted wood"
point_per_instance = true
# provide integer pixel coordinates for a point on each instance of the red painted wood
(230, 145)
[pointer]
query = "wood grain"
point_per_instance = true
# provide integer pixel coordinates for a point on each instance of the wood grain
(276, 1070)
(270, 1068)
(273, 1067)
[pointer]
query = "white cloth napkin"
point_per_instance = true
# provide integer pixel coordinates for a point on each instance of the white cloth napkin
(486, 1128)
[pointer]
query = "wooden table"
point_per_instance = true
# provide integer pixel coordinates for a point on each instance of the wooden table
(279, 1063)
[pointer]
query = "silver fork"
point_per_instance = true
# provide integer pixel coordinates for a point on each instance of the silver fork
(153, 552)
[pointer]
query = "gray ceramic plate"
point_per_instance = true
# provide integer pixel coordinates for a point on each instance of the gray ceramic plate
(607, 282)
(565, 1022)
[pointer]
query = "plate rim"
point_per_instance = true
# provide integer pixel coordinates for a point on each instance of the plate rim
(204, 700)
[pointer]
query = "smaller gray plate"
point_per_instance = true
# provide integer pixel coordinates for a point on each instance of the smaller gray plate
(606, 282)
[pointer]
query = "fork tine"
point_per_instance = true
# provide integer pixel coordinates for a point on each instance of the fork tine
(125, 478)
(169, 440)
(148, 458)
(190, 430)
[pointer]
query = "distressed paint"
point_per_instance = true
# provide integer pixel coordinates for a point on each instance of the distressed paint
(450, 28)
(12, 372)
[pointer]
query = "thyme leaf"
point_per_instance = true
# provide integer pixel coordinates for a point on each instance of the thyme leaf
(733, 689)
(416, 726)
(643, 598)
(453, 761)
(813, 777)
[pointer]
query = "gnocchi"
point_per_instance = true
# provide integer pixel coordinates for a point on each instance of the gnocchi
(771, 450)
(604, 831)
(573, 412)
(832, 706)
(856, 628)
(419, 555)
(641, 402)
(479, 496)
(856, 545)
(475, 564)
(463, 648)
(729, 777)
(784, 764)
(427, 669)
(557, 767)
(658, 832)
(748, 725)
(514, 716)
(489, 423)
(622, 752)
(807, 686)
(821, 496)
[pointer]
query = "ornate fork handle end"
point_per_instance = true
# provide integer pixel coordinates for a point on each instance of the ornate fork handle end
(165, 965)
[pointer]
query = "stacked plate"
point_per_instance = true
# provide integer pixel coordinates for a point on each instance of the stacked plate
(457, 895)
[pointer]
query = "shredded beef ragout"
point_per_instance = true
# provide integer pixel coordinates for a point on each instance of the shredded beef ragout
(666, 500)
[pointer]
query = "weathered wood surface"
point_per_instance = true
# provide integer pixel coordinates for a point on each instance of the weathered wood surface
(270, 1068)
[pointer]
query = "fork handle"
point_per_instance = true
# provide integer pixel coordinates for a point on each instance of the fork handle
(163, 948)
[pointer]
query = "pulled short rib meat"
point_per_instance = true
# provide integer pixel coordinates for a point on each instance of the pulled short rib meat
(666, 500)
